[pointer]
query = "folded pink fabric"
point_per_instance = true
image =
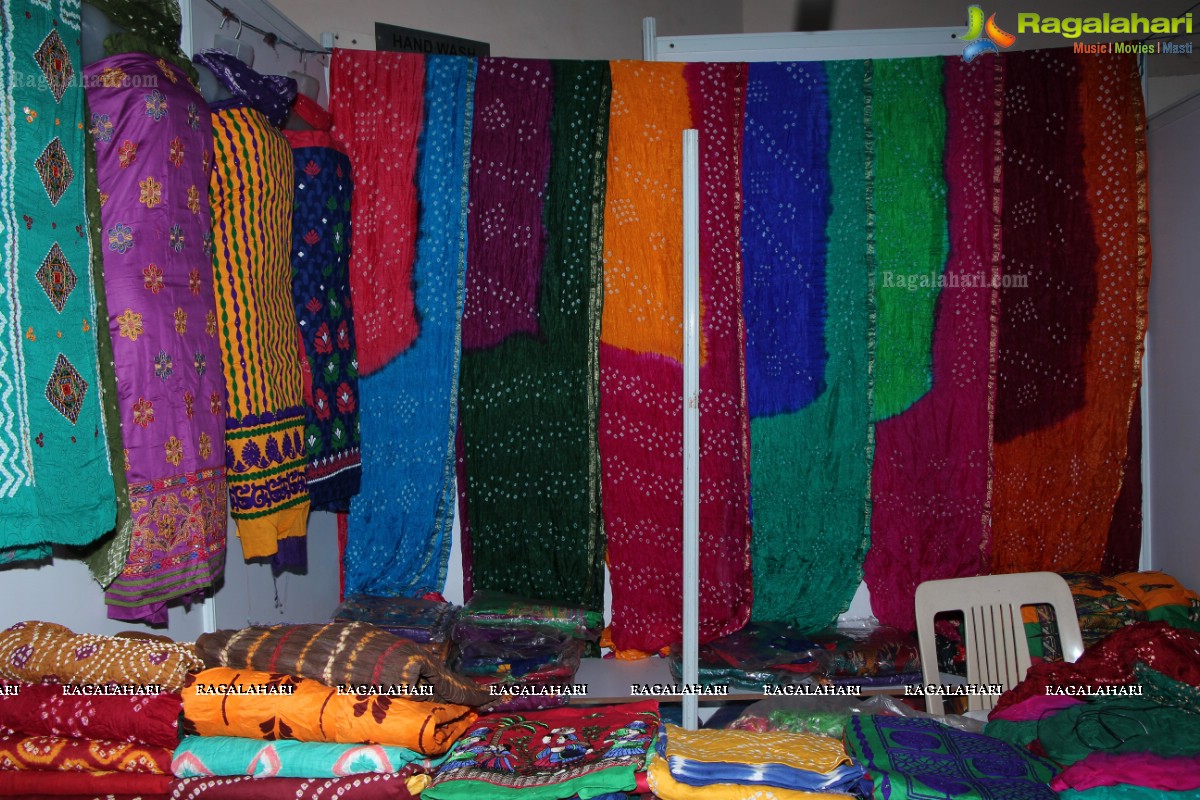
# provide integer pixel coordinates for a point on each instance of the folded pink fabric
(1168, 773)
(1035, 707)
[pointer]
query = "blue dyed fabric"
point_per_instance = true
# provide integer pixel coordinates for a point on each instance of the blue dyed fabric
(784, 177)
(399, 530)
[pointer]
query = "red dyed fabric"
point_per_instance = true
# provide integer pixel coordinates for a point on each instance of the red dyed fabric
(100, 785)
(82, 755)
(389, 786)
(43, 710)
(641, 424)
(1048, 239)
(510, 163)
(377, 105)
(929, 484)
(1056, 487)
(1175, 652)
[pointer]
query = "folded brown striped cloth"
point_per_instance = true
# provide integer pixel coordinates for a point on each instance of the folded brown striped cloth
(340, 654)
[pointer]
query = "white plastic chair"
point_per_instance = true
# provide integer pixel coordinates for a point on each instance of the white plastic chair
(993, 632)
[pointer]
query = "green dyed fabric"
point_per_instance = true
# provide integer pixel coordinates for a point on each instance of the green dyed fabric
(55, 482)
(811, 470)
(1120, 725)
(1165, 690)
(911, 239)
(151, 26)
(1018, 732)
(108, 559)
(529, 406)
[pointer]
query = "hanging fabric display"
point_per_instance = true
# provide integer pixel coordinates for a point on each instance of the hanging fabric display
(400, 525)
(929, 516)
(510, 160)
(529, 404)
(321, 293)
(153, 156)
(908, 117)
(1071, 333)
(376, 100)
(641, 347)
(252, 196)
(55, 480)
(786, 184)
(811, 503)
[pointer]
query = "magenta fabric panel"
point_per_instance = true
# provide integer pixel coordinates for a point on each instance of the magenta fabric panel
(641, 421)
(510, 162)
(154, 147)
(932, 467)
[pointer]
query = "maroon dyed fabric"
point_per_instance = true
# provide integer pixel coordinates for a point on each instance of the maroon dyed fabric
(929, 484)
(510, 162)
(1124, 547)
(1048, 239)
(1110, 662)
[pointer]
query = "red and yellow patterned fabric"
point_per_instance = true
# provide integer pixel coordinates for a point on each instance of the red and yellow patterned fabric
(82, 755)
(263, 705)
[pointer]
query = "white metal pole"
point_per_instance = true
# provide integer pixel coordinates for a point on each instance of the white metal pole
(691, 421)
(649, 39)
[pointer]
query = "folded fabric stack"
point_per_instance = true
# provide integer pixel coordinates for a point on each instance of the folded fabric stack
(341, 710)
(922, 758)
(1123, 721)
(550, 755)
(737, 764)
(865, 656)
(84, 715)
(425, 622)
(760, 654)
(525, 649)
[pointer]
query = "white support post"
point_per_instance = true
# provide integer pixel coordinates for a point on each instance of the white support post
(649, 39)
(691, 422)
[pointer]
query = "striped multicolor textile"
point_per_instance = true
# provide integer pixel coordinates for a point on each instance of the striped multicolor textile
(251, 197)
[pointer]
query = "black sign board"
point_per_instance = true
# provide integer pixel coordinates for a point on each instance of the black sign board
(407, 40)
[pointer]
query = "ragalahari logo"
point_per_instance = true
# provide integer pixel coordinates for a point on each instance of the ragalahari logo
(994, 39)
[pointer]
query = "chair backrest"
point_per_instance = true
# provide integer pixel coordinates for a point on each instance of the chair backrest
(993, 632)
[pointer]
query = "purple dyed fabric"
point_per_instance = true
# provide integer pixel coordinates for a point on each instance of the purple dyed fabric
(510, 163)
(929, 485)
(154, 146)
(270, 94)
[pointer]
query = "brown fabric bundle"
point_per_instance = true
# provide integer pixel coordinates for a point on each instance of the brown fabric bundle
(339, 654)
(45, 652)
(262, 705)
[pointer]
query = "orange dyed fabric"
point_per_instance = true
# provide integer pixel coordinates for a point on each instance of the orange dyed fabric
(643, 214)
(310, 711)
(82, 755)
(1056, 487)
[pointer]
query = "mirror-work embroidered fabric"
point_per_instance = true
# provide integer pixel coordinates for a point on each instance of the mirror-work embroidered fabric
(399, 530)
(929, 517)
(529, 405)
(321, 294)
(55, 481)
(153, 156)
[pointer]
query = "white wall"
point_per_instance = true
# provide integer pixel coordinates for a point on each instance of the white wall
(1174, 359)
(588, 29)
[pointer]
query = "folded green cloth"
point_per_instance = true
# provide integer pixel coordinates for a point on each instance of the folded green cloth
(199, 756)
